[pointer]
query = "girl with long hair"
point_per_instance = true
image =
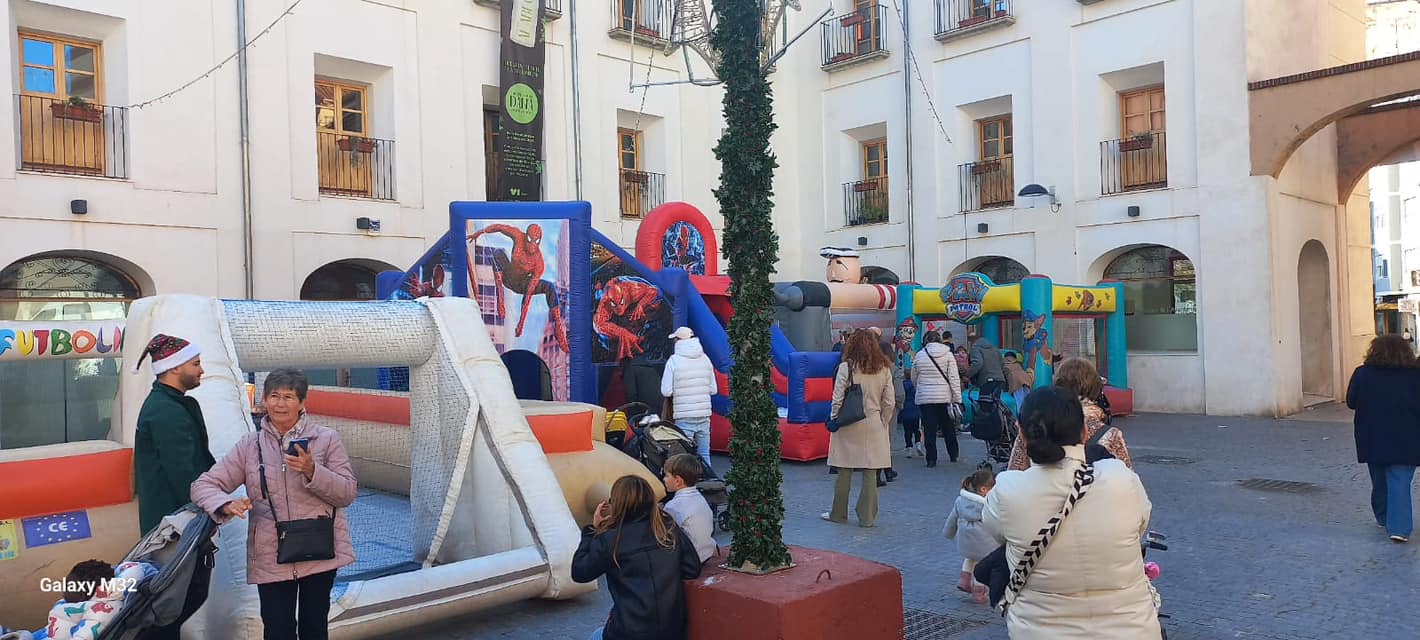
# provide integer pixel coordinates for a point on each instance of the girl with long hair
(864, 445)
(645, 557)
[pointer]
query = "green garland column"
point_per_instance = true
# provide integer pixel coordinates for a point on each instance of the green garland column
(751, 247)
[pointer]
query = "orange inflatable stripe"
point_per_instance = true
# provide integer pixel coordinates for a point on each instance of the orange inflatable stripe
(359, 406)
(563, 432)
(68, 483)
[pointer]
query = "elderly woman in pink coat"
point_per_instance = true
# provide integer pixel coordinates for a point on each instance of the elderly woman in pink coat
(307, 477)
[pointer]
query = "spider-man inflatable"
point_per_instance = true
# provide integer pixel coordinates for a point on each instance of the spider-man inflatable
(684, 248)
(522, 273)
(626, 307)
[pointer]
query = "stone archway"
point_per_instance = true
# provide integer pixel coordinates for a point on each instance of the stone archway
(350, 279)
(1314, 315)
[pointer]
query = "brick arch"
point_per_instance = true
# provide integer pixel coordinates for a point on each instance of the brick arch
(1286, 111)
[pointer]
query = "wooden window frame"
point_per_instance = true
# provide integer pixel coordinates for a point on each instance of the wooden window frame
(1002, 121)
(881, 145)
(636, 149)
(1149, 111)
(61, 85)
(340, 88)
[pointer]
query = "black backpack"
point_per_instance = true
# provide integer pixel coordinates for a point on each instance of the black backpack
(989, 418)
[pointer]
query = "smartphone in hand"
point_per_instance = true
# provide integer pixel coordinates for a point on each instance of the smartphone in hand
(304, 443)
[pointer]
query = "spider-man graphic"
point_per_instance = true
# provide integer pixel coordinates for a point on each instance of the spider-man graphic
(431, 289)
(625, 305)
(684, 248)
(522, 274)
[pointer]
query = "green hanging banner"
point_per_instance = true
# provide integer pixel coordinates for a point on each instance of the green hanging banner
(520, 120)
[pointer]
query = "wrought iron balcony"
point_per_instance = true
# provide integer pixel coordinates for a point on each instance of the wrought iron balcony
(641, 191)
(72, 137)
(865, 201)
(853, 38)
(355, 166)
(646, 22)
(1134, 163)
(956, 18)
(988, 184)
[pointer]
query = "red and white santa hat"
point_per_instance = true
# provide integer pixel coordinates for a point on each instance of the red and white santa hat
(168, 353)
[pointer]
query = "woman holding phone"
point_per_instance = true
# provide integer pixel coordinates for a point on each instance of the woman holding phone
(299, 476)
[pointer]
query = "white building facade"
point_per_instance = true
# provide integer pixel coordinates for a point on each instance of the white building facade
(1134, 112)
(1394, 28)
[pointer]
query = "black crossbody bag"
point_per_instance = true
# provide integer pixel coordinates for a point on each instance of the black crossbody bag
(298, 540)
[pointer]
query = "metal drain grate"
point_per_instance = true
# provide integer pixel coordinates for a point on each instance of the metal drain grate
(927, 625)
(1164, 460)
(1279, 486)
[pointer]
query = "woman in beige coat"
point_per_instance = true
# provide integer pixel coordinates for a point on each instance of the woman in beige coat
(863, 446)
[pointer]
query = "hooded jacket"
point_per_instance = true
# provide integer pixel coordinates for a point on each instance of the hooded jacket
(964, 525)
(644, 578)
(689, 379)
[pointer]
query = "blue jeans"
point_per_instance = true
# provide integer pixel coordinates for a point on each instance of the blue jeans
(1390, 497)
(699, 429)
(597, 635)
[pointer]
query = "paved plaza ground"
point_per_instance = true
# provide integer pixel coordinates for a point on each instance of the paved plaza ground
(1293, 561)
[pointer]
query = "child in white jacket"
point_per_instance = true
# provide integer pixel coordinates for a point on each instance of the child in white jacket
(974, 542)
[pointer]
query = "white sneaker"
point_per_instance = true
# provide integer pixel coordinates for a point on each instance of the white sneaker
(908, 453)
(1399, 539)
(921, 450)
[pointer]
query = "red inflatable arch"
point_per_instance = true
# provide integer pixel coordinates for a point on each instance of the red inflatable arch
(651, 236)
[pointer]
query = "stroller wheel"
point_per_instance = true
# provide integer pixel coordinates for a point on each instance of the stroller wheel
(723, 519)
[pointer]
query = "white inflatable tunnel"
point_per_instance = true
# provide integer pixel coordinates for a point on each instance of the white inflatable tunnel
(488, 523)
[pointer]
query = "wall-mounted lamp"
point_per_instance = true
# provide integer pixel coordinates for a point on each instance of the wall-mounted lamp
(1034, 190)
(862, 241)
(78, 207)
(982, 227)
(368, 225)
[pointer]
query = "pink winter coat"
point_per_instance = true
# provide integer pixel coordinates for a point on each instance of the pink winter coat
(332, 488)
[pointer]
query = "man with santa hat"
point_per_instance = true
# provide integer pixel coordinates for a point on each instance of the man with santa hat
(170, 449)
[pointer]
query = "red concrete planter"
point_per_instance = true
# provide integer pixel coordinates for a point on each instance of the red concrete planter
(827, 596)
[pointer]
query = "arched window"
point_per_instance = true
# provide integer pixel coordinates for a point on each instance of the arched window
(1160, 298)
(1002, 270)
(64, 287)
(343, 280)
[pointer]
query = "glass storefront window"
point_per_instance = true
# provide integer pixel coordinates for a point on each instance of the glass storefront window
(1160, 298)
(57, 401)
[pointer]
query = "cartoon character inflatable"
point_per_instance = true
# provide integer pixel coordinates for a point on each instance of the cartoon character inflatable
(625, 306)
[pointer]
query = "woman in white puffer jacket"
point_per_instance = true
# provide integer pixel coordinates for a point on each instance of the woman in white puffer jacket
(689, 381)
(934, 372)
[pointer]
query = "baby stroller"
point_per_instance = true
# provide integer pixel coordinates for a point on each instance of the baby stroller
(175, 547)
(992, 422)
(654, 441)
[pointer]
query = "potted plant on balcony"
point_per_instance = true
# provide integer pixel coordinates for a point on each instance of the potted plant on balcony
(76, 108)
(356, 144)
(872, 212)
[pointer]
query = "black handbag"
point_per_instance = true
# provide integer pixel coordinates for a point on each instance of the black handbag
(851, 409)
(298, 540)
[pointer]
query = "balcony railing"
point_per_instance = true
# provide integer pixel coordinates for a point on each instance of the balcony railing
(554, 7)
(865, 201)
(988, 184)
(855, 37)
(74, 137)
(961, 17)
(1134, 163)
(644, 21)
(355, 166)
(641, 191)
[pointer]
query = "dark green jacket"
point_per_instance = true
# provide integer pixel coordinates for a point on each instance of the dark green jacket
(169, 452)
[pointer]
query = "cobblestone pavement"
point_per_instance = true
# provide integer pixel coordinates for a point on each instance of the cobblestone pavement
(1296, 562)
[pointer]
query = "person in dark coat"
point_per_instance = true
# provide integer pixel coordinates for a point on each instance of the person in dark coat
(645, 557)
(170, 446)
(643, 383)
(170, 451)
(1385, 393)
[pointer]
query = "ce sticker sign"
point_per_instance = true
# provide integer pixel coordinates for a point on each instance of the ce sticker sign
(59, 527)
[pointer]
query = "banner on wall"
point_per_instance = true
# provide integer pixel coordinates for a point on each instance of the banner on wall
(520, 121)
(60, 340)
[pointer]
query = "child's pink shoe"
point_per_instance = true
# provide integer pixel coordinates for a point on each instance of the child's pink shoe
(978, 593)
(964, 583)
